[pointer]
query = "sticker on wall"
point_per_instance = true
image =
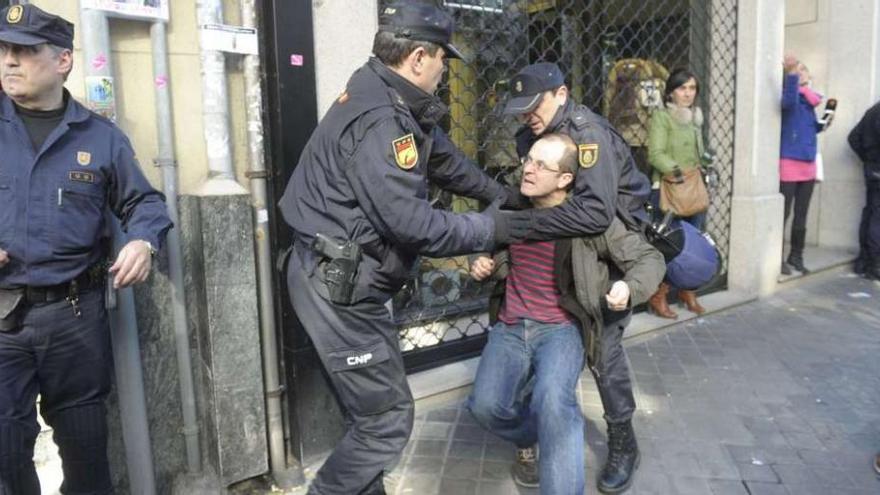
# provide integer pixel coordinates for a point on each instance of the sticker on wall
(296, 60)
(100, 96)
(147, 10)
(229, 39)
(99, 62)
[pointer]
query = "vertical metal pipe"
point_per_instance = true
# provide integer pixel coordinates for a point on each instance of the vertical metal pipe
(215, 103)
(123, 320)
(165, 159)
(262, 241)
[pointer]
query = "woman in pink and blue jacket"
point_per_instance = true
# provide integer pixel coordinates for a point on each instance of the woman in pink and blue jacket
(797, 158)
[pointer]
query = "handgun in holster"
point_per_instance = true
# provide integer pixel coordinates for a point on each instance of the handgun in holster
(340, 268)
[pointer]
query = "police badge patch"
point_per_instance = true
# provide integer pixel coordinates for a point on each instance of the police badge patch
(83, 158)
(405, 152)
(588, 154)
(13, 15)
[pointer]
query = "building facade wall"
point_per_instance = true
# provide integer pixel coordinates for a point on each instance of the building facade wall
(840, 46)
(131, 56)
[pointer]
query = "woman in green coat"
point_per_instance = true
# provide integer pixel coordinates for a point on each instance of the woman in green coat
(675, 147)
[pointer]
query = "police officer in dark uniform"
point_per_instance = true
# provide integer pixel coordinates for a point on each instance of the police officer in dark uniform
(358, 205)
(864, 140)
(608, 184)
(63, 168)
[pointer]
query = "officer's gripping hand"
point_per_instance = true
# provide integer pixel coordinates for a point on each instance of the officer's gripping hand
(482, 268)
(4, 258)
(510, 226)
(618, 297)
(132, 265)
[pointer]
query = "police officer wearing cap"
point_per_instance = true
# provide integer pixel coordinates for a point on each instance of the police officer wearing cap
(63, 169)
(608, 184)
(358, 205)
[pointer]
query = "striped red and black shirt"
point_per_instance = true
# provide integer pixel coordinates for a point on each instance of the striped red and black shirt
(531, 289)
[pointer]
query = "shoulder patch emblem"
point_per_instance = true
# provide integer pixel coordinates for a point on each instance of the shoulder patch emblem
(405, 152)
(83, 158)
(588, 154)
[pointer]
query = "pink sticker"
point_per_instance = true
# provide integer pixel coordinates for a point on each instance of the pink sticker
(99, 62)
(296, 60)
(161, 81)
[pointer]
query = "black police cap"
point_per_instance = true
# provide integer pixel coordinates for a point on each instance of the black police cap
(420, 21)
(29, 25)
(529, 84)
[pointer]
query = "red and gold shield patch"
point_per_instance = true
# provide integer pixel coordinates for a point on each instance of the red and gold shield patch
(588, 154)
(405, 152)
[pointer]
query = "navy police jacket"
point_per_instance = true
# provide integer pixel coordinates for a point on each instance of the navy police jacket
(53, 201)
(608, 183)
(364, 176)
(864, 139)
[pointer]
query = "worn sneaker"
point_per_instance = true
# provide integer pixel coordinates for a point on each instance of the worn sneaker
(525, 469)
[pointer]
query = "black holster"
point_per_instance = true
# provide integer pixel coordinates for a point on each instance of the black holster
(10, 301)
(339, 267)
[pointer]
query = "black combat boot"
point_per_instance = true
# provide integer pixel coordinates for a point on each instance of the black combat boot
(623, 458)
(796, 256)
(873, 271)
(861, 264)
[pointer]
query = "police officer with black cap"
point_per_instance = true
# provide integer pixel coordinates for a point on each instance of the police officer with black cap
(358, 205)
(63, 168)
(608, 184)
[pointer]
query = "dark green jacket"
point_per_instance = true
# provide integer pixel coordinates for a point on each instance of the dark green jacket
(585, 269)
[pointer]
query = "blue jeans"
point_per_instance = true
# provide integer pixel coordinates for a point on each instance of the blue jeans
(525, 392)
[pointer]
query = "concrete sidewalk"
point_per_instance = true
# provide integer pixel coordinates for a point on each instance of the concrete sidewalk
(779, 396)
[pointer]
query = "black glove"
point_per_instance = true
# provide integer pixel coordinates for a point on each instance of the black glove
(510, 226)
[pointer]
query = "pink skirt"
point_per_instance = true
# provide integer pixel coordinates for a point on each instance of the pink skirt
(791, 170)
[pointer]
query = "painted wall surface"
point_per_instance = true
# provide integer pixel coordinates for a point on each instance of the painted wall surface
(839, 45)
(131, 56)
(343, 42)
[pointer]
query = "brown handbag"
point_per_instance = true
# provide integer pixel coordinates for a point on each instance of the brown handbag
(685, 194)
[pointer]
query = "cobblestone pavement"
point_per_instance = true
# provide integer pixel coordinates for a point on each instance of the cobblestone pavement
(779, 396)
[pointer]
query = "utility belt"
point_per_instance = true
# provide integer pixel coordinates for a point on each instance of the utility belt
(11, 300)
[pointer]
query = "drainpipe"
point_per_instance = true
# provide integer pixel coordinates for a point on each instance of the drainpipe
(123, 320)
(215, 113)
(166, 161)
(284, 477)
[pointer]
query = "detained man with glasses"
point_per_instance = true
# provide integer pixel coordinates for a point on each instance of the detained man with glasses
(553, 300)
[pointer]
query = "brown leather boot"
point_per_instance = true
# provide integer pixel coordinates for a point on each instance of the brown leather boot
(658, 305)
(689, 298)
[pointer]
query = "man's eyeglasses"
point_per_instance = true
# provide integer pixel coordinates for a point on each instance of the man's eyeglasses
(539, 165)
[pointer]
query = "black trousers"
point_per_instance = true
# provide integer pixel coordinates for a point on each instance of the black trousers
(612, 375)
(67, 360)
(797, 194)
(359, 349)
(869, 227)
